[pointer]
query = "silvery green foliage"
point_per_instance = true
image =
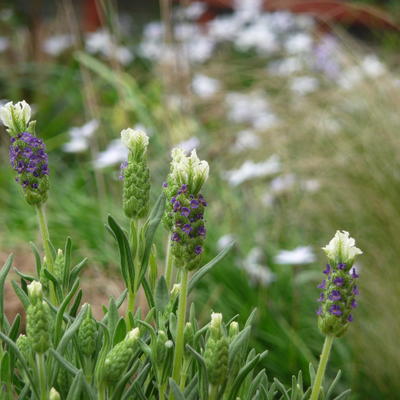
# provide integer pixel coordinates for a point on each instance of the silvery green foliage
(67, 354)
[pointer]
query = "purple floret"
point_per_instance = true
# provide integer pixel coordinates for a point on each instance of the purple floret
(322, 285)
(338, 281)
(327, 270)
(335, 295)
(198, 250)
(185, 211)
(187, 228)
(334, 309)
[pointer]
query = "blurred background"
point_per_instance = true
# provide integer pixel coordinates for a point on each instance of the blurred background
(295, 104)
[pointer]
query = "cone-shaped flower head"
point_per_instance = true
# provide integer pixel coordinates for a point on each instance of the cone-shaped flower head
(28, 155)
(216, 352)
(87, 334)
(119, 356)
(54, 395)
(339, 287)
(135, 174)
(16, 117)
(38, 319)
(342, 249)
(185, 206)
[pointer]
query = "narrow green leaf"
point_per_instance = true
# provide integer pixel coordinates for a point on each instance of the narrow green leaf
(21, 295)
(76, 271)
(14, 329)
(178, 395)
(74, 309)
(38, 260)
(161, 295)
(76, 387)
(3, 275)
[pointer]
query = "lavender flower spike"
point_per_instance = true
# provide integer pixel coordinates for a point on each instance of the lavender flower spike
(339, 289)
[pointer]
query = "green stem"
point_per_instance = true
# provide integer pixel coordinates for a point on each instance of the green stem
(213, 393)
(178, 355)
(169, 264)
(102, 395)
(131, 307)
(42, 376)
(321, 367)
(44, 230)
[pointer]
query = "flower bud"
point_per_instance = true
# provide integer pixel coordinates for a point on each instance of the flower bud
(216, 351)
(339, 288)
(87, 334)
(341, 249)
(119, 356)
(38, 320)
(233, 329)
(15, 117)
(188, 334)
(136, 175)
(161, 349)
(35, 291)
(54, 395)
(59, 263)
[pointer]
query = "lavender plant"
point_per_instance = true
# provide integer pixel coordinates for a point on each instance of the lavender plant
(162, 352)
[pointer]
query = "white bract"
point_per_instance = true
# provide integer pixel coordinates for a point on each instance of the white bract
(342, 248)
(216, 320)
(16, 117)
(133, 334)
(35, 289)
(134, 139)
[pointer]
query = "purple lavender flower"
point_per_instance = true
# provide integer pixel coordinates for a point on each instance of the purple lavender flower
(334, 309)
(122, 169)
(175, 237)
(335, 295)
(177, 205)
(350, 318)
(198, 250)
(341, 266)
(321, 297)
(327, 270)
(353, 304)
(355, 290)
(338, 281)
(187, 228)
(201, 231)
(194, 204)
(354, 274)
(165, 184)
(319, 311)
(322, 285)
(185, 211)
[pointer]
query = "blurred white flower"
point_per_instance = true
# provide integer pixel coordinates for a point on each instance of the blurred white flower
(246, 139)
(258, 273)
(299, 43)
(252, 108)
(372, 66)
(223, 241)
(102, 42)
(311, 185)
(115, 153)
(193, 10)
(188, 145)
(257, 36)
(303, 85)
(286, 67)
(250, 170)
(200, 48)
(282, 183)
(299, 255)
(79, 137)
(4, 44)
(204, 86)
(57, 44)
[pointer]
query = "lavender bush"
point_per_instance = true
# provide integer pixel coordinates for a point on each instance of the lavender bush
(161, 352)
